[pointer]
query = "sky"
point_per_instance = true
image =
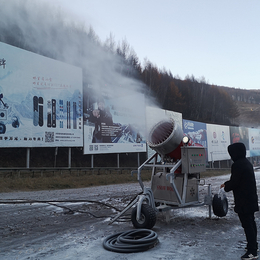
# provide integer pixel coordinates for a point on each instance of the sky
(218, 41)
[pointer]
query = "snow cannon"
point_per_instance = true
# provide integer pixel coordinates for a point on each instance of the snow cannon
(175, 182)
(166, 139)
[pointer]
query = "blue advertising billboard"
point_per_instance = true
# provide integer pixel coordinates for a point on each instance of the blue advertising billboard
(196, 131)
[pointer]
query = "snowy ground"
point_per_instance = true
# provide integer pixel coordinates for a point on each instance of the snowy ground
(44, 231)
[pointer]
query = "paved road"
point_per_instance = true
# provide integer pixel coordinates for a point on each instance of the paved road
(77, 230)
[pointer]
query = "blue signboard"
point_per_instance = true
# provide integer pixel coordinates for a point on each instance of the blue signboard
(196, 131)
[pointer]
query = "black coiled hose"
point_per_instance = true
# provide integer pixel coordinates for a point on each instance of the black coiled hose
(131, 241)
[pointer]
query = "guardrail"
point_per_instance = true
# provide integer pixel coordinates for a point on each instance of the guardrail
(41, 171)
(51, 171)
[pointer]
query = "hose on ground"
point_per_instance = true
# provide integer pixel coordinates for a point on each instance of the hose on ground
(127, 218)
(131, 241)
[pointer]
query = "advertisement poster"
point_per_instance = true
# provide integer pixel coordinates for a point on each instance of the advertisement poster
(254, 142)
(196, 131)
(218, 139)
(154, 115)
(40, 101)
(114, 124)
(240, 134)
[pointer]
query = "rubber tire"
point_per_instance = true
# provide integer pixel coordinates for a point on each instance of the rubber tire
(220, 205)
(148, 217)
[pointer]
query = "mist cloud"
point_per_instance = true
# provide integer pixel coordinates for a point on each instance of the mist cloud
(38, 27)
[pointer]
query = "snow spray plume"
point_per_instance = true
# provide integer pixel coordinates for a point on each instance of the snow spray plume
(37, 27)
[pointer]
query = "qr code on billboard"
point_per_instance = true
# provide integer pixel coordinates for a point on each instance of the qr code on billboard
(49, 137)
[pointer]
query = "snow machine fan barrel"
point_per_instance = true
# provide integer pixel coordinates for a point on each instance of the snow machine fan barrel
(165, 137)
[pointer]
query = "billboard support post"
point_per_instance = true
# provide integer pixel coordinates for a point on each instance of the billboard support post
(55, 159)
(69, 157)
(92, 160)
(28, 158)
(138, 159)
(212, 162)
(118, 164)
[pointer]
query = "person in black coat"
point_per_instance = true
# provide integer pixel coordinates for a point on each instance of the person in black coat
(242, 183)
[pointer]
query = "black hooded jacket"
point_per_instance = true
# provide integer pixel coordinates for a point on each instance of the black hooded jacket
(242, 181)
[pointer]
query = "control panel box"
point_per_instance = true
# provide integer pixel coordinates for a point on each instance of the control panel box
(193, 159)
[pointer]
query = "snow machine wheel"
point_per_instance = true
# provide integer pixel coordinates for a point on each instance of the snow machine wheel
(220, 205)
(147, 218)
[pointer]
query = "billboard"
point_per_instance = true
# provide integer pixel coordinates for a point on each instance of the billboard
(254, 142)
(196, 131)
(240, 134)
(113, 124)
(218, 139)
(41, 101)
